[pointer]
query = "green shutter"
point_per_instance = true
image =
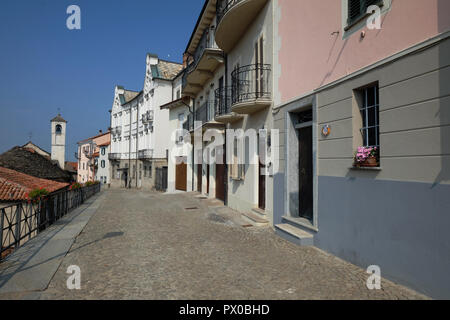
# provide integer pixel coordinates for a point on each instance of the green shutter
(358, 8)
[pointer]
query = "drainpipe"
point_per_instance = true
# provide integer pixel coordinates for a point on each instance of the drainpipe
(137, 142)
(225, 151)
(129, 152)
(193, 149)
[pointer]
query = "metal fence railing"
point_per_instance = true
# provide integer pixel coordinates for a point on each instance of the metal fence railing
(20, 222)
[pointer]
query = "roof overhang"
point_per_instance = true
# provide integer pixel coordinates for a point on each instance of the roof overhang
(204, 20)
(184, 101)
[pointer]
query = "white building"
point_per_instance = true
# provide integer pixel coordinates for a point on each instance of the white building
(229, 79)
(179, 173)
(102, 173)
(140, 132)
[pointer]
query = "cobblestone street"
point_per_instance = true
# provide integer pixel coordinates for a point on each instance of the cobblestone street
(141, 245)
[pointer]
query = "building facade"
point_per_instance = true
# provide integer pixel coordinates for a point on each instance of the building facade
(339, 86)
(140, 134)
(102, 171)
(179, 177)
(88, 154)
(203, 76)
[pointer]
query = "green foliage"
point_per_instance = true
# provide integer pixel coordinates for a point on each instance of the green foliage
(37, 194)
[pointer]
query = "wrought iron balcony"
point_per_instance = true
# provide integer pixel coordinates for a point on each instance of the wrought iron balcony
(203, 62)
(205, 113)
(233, 19)
(188, 125)
(222, 106)
(114, 156)
(116, 130)
(147, 117)
(251, 88)
(145, 154)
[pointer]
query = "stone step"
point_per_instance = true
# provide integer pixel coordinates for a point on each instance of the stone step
(255, 219)
(294, 234)
(260, 212)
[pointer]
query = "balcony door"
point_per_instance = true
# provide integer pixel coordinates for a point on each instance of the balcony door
(305, 172)
(236, 84)
(259, 63)
(221, 96)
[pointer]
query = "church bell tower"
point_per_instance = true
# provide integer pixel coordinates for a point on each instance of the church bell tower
(58, 125)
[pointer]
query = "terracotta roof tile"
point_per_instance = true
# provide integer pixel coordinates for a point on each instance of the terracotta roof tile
(168, 70)
(15, 185)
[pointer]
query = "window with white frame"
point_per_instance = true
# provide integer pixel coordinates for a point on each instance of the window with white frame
(370, 114)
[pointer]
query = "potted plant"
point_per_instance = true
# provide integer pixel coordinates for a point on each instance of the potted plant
(37, 195)
(366, 157)
(75, 186)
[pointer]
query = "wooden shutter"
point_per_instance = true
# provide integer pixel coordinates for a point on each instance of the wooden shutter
(354, 9)
(358, 8)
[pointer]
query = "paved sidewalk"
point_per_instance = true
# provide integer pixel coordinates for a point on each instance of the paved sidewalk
(142, 245)
(30, 269)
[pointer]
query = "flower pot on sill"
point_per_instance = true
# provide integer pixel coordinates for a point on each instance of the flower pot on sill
(370, 162)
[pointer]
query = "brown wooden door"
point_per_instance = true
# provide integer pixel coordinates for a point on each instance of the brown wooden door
(220, 182)
(181, 177)
(199, 178)
(207, 178)
(262, 188)
(305, 173)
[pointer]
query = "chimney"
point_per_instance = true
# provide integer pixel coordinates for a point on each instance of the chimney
(100, 131)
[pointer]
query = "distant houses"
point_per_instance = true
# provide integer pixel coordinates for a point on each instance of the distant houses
(92, 158)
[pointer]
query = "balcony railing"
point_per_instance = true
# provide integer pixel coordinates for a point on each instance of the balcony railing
(223, 6)
(145, 154)
(205, 113)
(222, 104)
(114, 156)
(147, 117)
(188, 125)
(250, 83)
(116, 131)
(207, 41)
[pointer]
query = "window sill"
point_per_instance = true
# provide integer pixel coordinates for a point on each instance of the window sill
(366, 168)
(301, 222)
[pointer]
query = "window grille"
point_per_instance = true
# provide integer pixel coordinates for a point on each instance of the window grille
(370, 117)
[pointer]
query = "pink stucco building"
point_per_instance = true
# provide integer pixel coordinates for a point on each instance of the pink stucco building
(340, 86)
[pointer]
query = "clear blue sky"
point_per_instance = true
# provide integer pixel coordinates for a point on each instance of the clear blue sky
(44, 66)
